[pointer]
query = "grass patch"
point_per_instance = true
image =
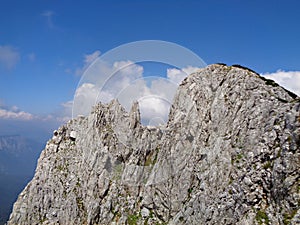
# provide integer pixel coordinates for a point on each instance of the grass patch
(80, 203)
(151, 158)
(118, 171)
(237, 158)
(133, 219)
(287, 217)
(269, 82)
(261, 217)
(267, 165)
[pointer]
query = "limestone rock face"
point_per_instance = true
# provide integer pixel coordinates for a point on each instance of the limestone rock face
(229, 154)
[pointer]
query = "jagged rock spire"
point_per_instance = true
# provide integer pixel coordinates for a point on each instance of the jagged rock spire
(135, 117)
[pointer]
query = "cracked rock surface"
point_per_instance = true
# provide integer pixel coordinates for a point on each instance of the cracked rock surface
(229, 154)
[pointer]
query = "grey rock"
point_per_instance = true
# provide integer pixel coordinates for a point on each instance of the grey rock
(145, 212)
(229, 154)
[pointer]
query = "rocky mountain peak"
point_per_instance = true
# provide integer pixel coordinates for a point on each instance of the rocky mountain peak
(229, 154)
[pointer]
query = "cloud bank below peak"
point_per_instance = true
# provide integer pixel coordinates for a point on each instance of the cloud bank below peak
(21, 115)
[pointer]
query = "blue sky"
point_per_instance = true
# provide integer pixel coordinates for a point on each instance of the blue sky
(43, 43)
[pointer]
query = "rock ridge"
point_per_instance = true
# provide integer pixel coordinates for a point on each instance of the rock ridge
(229, 154)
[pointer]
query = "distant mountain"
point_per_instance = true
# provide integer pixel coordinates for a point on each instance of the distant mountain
(229, 154)
(18, 155)
(18, 158)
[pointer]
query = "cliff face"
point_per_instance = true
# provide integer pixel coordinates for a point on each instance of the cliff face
(228, 155)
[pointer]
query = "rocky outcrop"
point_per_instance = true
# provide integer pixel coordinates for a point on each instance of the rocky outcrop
(229, 154)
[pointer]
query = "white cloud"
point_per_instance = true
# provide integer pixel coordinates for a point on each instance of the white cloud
(154, 107)
(88, 59)
(9, 56)
(177, 75)
(14, 114)
(128, 68)
(11, 114)
(65, 114)
(123, 75)
(124, 80)
(15, 109)
(85, 96)
(288, 79)
(48, 15)
(97, 87)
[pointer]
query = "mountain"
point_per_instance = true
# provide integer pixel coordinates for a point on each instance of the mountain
(18, 154)
(18, 157)
(229, 154)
